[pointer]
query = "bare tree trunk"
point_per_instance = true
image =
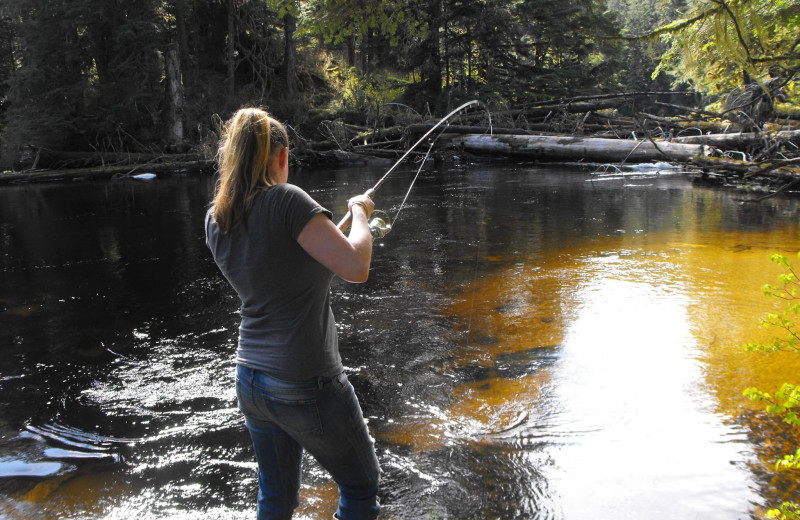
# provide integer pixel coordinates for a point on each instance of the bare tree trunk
(351, 50)
(432, 68)
(7, 156)
(290, 53)
(183, 38)
(366, 51)
(6, 53)
(230, 50)
(174, 96)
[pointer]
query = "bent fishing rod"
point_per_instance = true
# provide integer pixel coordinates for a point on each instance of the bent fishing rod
(345, 222)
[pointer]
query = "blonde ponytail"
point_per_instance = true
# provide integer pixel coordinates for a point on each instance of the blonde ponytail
(250, 137)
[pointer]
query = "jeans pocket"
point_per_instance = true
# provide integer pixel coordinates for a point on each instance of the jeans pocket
(340, 384)
(299, 416)
(241, 398)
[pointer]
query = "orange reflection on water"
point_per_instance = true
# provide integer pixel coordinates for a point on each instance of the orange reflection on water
(94, 494)
(498, 314)
(317, 501)
(647, 389)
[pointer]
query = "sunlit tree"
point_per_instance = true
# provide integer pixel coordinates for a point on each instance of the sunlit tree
(720, 45)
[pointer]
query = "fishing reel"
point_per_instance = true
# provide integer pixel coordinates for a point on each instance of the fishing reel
(380, 225)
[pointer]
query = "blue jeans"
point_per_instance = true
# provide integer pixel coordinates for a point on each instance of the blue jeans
(321, 416)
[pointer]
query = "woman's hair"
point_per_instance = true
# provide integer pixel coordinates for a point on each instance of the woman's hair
(249, 138)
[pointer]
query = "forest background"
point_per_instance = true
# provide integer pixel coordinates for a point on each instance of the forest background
(133, 76)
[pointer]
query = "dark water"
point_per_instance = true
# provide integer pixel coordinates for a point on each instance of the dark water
(529, 345)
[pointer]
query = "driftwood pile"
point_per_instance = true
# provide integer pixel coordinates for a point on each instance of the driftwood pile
(736, 146)
(747, 142)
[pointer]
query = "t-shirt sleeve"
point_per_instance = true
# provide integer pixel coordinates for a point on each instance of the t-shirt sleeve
(299, 209)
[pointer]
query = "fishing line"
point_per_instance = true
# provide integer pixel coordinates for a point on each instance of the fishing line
(422, 164)
(345, 222)
(475, 274)
(380, 227)
(474, 290)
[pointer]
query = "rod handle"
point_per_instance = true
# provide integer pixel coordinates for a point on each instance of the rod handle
(345, 222)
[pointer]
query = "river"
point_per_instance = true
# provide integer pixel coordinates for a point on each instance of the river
(533, 342)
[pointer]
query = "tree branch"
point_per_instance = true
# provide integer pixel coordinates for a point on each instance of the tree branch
(727, 9)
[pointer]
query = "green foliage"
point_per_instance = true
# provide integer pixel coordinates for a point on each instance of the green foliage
(719, 45)
(787, 291)
(791, 461)
(337, 20)
(358, 92)
(785, 402)
(786, 511)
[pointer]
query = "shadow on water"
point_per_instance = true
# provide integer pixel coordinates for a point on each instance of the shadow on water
(529, 345)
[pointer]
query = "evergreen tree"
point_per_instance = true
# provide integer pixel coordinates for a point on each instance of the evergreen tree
(640, 57)
(570, 46)
(88, 76)
(128, 39)
(46, 91)
(721, 45)
(517, 50)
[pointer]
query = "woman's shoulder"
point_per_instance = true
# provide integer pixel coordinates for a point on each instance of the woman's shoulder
(288, 193)
(279, 190)
(288, 189)
(283, 197)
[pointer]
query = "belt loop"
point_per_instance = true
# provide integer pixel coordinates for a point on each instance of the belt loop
(320, 383)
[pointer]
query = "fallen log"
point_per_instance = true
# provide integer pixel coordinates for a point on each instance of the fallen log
(746, 169)
(45, 158)
(787, 111)
(612, 121)
(318, 146)
(339, 132)
(344, 158)
(379, 144)
(581, 148)
(688, 109)
(626, 95)
(464, 129)
(739, 140)
(570, 108)
(692, 124)
(103, 171)
(380, 134)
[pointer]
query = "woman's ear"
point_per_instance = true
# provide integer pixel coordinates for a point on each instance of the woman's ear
(283, 157)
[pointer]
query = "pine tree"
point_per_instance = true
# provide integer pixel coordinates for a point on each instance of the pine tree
(721, 45)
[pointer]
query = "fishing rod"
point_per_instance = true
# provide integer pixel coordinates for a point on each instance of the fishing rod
(345, 222)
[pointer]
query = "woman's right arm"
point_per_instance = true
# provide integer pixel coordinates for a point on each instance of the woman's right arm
(347, 256)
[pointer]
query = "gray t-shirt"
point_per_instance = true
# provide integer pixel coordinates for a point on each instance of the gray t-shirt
(287, 328)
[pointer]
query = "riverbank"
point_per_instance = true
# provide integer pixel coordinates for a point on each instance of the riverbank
(607, 130)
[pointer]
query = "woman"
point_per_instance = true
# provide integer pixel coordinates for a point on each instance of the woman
(279, 250)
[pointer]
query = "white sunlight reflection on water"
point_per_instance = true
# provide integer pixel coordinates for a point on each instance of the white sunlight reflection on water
(630, 383)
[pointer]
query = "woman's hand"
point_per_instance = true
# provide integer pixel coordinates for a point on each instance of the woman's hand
(364, 202)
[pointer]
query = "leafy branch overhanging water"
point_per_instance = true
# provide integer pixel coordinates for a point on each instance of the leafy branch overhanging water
(785, 402)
